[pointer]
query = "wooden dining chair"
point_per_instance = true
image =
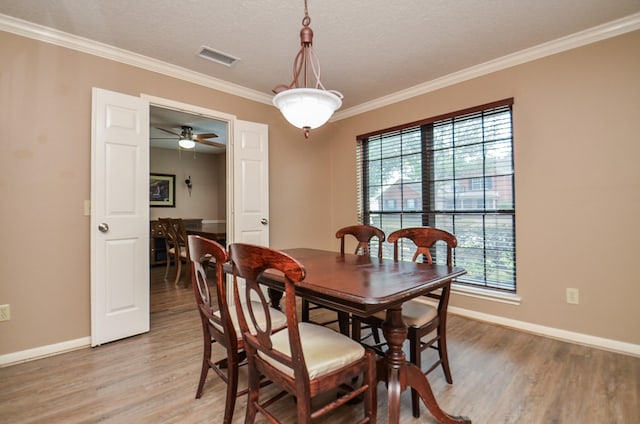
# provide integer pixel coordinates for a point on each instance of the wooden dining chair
(363, 235)
(306, 359)
(177, 246)
(219, 319)
(421, 317)
(166, 229)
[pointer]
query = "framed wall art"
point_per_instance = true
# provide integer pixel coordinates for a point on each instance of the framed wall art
(162, 190)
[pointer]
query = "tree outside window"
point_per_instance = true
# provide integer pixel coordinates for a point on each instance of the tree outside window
(455, 173)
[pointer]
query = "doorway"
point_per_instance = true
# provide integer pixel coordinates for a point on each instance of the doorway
(204, 197)
(120, 195)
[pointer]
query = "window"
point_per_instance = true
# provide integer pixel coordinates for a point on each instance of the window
(453, 172)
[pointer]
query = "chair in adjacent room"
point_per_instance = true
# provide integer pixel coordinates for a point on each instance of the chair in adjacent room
(363, 235)
(424, 318)
(219, 320)
(177, 246)
(166, 228)
(306, 359)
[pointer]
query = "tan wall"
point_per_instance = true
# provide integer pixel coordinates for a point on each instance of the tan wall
(207, 199)
(575, 120)
(45, 121)
(577, 188)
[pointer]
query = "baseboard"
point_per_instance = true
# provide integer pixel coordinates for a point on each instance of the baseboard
(43, 351)
(541, 330)
(554, 333)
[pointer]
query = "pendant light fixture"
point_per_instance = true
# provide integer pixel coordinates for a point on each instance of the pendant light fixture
(304, 104)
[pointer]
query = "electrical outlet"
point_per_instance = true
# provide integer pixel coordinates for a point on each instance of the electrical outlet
(5, 313)
(573, 296)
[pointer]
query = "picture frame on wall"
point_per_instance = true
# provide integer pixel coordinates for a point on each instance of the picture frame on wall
(162, 190)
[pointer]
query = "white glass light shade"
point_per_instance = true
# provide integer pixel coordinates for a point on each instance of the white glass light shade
(185, 143)
(307, 107)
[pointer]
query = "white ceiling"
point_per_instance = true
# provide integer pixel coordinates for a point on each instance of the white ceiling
(368, 49)
(172, 120)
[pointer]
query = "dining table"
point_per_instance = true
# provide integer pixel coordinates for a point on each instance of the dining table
(213, 230)
(363, 285)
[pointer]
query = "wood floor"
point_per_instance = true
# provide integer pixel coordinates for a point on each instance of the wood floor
(500, 376)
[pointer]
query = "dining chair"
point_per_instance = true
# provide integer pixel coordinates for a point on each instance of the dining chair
(423, 318)
(166, 228)
(177, 246)
(306, 359)
(219, 319)
(363, 235)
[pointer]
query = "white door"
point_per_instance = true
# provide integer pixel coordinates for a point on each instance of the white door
(119, 216)
(251, 183)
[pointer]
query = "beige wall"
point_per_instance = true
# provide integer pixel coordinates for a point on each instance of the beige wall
(207, 199)
(45, 100)
(577, 189)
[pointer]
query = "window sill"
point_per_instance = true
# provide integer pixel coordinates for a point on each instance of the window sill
(486, 294)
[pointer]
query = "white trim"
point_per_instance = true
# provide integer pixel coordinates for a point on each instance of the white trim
(598, 33)
(59, 38)
(214, 221)
(52, 36)
(551, 332)
(44, 351)
(486, 294)
(541, 330)
(188, 108)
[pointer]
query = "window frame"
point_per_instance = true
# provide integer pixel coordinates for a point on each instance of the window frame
(488, 207)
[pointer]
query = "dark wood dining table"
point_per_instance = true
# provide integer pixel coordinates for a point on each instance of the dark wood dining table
(364, 285)
(212, 231)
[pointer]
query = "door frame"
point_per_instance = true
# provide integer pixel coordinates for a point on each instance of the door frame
(213, 114)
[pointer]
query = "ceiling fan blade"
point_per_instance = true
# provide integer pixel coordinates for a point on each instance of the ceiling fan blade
(168, 131)
(210, 143)
(205, 135)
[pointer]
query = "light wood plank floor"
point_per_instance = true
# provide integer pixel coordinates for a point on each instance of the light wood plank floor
(500, 376)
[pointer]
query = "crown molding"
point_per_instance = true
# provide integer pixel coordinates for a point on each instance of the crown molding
(592, 35)
(63, 39)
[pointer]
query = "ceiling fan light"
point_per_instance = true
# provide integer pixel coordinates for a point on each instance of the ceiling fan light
(186, 143)
(307, 107)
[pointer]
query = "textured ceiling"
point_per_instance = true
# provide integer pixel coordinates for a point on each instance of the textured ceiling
(367, 49)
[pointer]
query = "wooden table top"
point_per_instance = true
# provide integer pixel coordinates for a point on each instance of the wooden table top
(364, 285)
(213, 231)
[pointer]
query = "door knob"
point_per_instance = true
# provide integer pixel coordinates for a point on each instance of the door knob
(264, 221)
(103, 228)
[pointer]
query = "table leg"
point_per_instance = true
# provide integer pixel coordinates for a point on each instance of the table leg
(395, 332)
(417, 380)
(275, 296)
(400, 374)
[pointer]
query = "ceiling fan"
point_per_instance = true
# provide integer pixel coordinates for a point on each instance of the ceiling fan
(187, 139)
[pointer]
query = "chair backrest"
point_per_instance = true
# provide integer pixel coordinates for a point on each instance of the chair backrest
(204, 252)
(176, 232)
(424, 238)
(250, 262)
(364, 234)
(168, 228)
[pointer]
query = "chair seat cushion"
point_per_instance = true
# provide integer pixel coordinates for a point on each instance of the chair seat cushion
(183, 251)
(415, 313)
(324, 349)
(278, 319)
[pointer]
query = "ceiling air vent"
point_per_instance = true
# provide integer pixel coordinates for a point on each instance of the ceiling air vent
(218, 57)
